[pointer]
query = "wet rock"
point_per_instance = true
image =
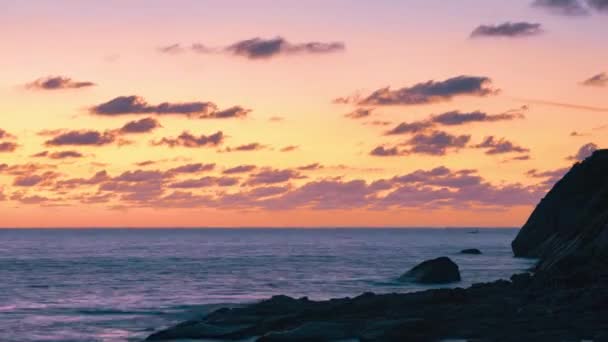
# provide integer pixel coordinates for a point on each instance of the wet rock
(436, 271)
(197, 330)
(311, 332)
(521, 280)
(473, 251)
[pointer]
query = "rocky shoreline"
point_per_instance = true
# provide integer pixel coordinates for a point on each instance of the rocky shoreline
(565, 299)
(516, 310)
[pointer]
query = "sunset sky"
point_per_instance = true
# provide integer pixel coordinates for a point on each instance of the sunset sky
(195, 113)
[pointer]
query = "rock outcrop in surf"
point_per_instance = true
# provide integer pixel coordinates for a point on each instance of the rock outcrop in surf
(436, 271)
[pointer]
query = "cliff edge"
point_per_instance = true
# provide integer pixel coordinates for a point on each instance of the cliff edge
(568, 230)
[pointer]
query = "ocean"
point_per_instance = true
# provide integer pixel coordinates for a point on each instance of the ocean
(123, 284)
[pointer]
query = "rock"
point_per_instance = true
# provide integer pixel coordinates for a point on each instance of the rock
(474, 251)
(436, 271)
(197, 330)
(569, 228)
(521, 280)
(311, 332)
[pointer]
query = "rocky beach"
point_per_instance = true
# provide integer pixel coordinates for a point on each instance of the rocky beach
(563, 298)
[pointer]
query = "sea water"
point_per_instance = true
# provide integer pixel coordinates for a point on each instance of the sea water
(123, 284)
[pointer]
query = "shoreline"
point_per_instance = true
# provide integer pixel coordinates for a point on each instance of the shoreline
(504, 310)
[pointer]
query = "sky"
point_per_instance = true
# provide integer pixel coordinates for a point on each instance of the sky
(234, 113)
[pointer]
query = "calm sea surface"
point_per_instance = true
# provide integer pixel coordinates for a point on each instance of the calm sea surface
(120, 285)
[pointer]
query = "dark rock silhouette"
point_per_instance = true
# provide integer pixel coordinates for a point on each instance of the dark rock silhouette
(565, 299)
(473, 251)
(436, 271)
(567, 230)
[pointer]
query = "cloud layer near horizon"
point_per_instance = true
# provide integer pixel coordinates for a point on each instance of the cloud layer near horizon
(261, 48)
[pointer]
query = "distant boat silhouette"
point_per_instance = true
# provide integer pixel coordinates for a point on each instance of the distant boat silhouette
(474, 231)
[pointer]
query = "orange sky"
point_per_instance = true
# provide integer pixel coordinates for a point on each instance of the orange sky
(521, 82)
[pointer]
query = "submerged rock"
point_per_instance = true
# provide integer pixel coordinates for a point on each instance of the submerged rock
(473, 251)
(436, 271)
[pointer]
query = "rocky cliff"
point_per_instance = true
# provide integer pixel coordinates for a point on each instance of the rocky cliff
(568, 230)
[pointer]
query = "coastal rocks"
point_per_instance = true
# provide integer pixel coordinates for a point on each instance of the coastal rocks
(498, 311)
(568, 230)
(198, 330)
(472, 251)
(436, 271)
(312, 331)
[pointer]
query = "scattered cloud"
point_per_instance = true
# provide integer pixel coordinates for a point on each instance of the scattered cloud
(508, 30)
(549, 178)
(436, 143)
(360, 113)
(311, 167)
(146, 163)
(171, 49)
(272, 176)
(432, 92)
(245, 148)
(137, 105)
(57, 82)
(500, 146)
(59, 155)
(598, 5)
(34, 199)
(410, 128)
(584, 152)
(140, 126)
(77, 183)
(25, 169)
(518, 158)
(453, 118)
(382, 151)
(193, 168)
(205, 182)
(232, 112)
(6, 135)
(261, 48)
(239, 169)
(563, 7)
(8, 146)
(82, 138)
(573, 8)
(379, 123)
(187, 139)
(599, 80)
(354, 98)
(289, 148)
(126, 105)
(30, 180)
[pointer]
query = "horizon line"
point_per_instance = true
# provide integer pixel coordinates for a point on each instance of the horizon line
(256, 227)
